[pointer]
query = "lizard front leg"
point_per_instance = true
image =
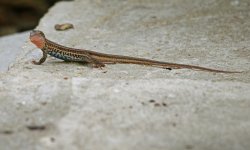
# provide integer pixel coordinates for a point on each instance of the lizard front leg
(42, 60)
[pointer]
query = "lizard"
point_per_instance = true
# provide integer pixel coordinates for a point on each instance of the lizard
(98, 60)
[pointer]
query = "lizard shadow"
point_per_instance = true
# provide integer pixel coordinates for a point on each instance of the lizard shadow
(69, 62)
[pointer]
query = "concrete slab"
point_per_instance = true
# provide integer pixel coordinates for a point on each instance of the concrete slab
(126, 114)
(10, 47)
(61, 105)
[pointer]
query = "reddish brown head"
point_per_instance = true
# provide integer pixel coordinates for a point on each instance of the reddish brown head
(38, 38)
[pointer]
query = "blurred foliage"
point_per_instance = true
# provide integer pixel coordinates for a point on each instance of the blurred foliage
(21, 15)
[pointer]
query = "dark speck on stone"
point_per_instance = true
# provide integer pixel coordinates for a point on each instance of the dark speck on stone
(151, 101)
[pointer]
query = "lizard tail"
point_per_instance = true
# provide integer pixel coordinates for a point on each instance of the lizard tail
(141, 61)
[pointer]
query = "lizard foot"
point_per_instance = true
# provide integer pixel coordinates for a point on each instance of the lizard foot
(98, 65)
(35, 62)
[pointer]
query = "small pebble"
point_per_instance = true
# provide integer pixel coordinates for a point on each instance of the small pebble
(62, 27)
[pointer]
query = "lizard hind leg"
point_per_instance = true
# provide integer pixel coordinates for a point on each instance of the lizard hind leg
(92, 61)
(97, 64)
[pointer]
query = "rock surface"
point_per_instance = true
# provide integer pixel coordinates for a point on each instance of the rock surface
(9, 51)
(60, 105)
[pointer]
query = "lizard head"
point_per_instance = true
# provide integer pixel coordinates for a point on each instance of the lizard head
(38, 38)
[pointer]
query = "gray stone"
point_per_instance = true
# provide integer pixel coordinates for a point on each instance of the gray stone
(10, 47)
(60, 105)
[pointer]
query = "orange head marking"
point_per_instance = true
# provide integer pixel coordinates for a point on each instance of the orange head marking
(38, 38)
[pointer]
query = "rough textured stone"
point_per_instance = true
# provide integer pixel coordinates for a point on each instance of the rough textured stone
(9, 51)
(60, 105)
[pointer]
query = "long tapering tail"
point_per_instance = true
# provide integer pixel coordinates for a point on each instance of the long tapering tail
(108, 58)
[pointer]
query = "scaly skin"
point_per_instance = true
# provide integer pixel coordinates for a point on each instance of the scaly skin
(99, 60)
